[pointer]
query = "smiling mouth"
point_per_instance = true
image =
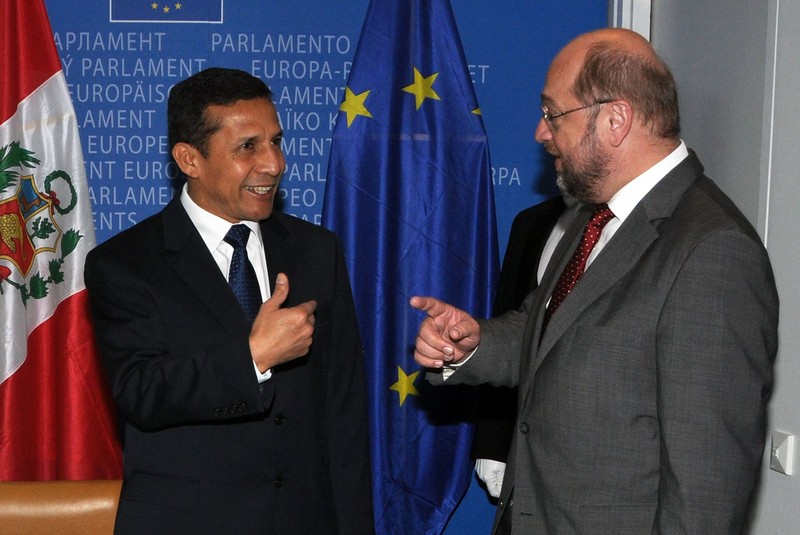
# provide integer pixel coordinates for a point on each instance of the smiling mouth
(259, 190)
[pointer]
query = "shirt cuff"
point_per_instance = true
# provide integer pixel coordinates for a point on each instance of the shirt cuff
(262, 377)
(450, 369)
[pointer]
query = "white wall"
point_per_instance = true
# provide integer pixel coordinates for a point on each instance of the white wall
(717, 52)
(738, 73)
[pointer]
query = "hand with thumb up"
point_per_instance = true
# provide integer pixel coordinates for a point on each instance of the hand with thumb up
(281, 334)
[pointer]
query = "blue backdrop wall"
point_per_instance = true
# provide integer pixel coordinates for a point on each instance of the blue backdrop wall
(121, 57)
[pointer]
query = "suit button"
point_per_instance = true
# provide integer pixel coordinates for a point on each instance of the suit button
(278, 482)
(279, 419)
(523, 428)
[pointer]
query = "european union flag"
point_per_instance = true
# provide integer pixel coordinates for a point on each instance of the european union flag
(181, 11)
(409, 192)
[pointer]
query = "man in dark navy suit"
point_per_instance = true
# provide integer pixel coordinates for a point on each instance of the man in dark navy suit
(232, 424)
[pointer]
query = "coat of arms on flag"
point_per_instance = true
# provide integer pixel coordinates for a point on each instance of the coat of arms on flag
(29, 222)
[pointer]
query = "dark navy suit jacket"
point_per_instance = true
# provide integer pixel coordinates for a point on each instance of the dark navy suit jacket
(204, 450)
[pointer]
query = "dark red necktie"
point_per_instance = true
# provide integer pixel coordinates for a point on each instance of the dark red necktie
(577, 264)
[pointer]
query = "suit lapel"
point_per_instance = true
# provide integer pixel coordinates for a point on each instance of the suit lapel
(618, 257)
(561, 255)
(193, 263)
(278, 249)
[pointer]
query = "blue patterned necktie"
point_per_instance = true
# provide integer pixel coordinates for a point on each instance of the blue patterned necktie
(242, 276)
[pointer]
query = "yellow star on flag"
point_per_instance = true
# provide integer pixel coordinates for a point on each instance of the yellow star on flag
(154, 5)
(476, 111)
(422, 87)
(405, 385)
(353, 105)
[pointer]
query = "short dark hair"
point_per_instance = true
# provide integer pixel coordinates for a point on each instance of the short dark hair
(189, 99)
(611, 73)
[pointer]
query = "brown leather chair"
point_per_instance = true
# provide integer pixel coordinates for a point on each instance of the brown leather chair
(59, 507)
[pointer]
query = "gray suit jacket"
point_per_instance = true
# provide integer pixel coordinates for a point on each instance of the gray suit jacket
(642, 409)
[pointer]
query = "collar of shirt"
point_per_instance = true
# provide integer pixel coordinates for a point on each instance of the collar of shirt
(213, 229)
(625, 200)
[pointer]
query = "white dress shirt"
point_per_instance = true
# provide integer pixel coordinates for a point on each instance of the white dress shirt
(212, 230)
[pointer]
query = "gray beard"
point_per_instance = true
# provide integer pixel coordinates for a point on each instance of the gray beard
(583, 190)
(584, 182)
(562, 185)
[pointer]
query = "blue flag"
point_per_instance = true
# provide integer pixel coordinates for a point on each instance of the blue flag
(409, 192)
(183, 11)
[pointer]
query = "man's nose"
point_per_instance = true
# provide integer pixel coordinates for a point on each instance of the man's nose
(271, 161)
(542, 132)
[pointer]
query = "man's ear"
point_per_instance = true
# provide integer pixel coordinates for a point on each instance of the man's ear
(619, 121)
(188, 159)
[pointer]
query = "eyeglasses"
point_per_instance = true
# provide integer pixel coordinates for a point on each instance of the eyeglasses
(548, 117)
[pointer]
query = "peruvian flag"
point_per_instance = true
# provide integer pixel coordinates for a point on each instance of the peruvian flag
(56, 414)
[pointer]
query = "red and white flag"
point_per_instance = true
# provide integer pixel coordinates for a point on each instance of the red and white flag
(56, 414)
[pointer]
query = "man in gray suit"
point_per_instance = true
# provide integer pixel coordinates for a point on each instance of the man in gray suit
(642, 404)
